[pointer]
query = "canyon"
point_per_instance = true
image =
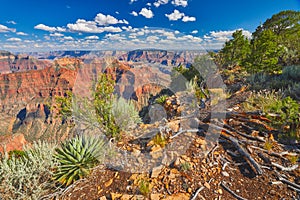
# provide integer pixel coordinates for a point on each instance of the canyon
(30, 82)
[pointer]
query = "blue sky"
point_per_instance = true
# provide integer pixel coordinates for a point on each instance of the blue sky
(129, 24)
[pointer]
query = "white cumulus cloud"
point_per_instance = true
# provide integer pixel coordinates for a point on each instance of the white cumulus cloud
(176, 15)
(21, 33)
(132, 1)
(105, 20)
(4, 29)
(11, 22)
(82, 25)
(112, 29)
(194, 32)
(160, 2)
(223, 36)
(188, 19)
(146, 13)
(92, 37)
(134, 13)
(182, 3)
(14, 40)
(68, 38)
(49, 28)
(56, 35)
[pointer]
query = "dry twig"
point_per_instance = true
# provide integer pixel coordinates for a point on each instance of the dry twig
(282, 168)
(245, 154)
(231, 192)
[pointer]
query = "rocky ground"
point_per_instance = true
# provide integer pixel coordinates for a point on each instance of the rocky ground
(245, 162)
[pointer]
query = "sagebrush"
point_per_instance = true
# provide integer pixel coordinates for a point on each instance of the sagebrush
(28, 176)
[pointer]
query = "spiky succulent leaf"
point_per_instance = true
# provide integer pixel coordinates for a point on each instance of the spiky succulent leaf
(76, 157)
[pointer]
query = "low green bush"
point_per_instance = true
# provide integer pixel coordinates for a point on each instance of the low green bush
(125, 114)
(292, 72)
(161, 99)
(286, 110)
(28, 177)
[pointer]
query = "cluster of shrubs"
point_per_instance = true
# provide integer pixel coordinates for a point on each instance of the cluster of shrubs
(283, 112)
(43, 168)
(289, 81)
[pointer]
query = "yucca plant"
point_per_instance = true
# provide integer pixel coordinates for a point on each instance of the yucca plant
(77, 157)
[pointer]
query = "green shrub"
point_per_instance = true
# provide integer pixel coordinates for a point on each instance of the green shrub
(77, 157)
(262, 100)
(287, 110)
(161, 99)
(144, 187)
(294, 90)
(160, 140)
(103, 103)
(292, 72)
(186, 166)
(64, 105)
(28, 177)
(17, 154)
(191, 85)
(125, 114)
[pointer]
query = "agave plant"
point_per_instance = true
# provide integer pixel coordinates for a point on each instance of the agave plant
(77, 157)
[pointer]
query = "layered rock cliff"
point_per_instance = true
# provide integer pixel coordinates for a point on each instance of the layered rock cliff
(28, 93)
(15, 63)
(25, 99)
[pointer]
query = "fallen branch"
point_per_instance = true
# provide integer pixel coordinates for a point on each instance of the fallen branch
(293, 188)
(258, 122)
(231, 192)
(227, 115)
(197, 192)
(212, 151)
(245, 154)
(282, 168)
(288, 182)
(243, 134)
(186, 131)
(279, 155)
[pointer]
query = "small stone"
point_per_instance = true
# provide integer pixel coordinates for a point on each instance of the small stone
(156, 171)
(177, 162)
(190, 190)
(156, 155)
(178, 196)
(174, 126)
(133, 176)
(200, 141)
(168, 102)
(155, 196)
(108, 183)
(206, 184)
(136, 152)
(156, 148)
(173, 173)
(115, 196)
(126, 197)
(220, 191)
(272, 192)
(225, 174)
(103, 198)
